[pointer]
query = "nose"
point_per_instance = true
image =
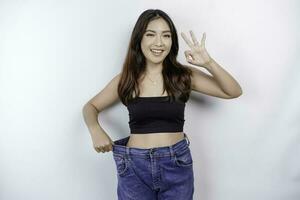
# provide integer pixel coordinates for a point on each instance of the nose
(158, 41)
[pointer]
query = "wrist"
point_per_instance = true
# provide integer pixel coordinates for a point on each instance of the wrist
(96, 130)
(209, 62)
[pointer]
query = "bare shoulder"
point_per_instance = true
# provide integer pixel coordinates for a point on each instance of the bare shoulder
(108, 95)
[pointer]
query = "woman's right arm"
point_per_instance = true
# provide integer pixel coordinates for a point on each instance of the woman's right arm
(107, 96)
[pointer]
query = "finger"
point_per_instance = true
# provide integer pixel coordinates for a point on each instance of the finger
(106, 147)
(188, 55)
(203, 39)
(102, 150)
(98, 150)
(194, 38)
(187, 40)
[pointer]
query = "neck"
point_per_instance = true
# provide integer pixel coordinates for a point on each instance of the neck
(154, 69)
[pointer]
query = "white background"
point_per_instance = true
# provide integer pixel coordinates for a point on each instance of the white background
(56, 55)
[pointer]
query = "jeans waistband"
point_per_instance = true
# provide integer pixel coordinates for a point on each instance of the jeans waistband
(119, 147)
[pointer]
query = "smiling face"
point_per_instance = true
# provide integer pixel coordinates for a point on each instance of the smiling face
(156, 42)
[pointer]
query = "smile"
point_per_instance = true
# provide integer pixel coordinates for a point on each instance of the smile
(156, 52)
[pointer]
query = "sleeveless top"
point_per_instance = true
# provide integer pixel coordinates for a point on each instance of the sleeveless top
(156, 114)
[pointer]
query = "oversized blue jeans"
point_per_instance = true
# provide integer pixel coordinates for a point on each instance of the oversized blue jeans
(159, 173)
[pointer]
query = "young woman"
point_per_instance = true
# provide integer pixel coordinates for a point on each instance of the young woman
(155, 161)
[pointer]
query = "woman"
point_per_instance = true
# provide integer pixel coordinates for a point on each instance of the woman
(155, 161)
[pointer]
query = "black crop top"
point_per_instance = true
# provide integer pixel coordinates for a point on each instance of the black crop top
(155, 114)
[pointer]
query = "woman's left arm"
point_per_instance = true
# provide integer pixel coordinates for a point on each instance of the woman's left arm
(221, 84)
(227, 83)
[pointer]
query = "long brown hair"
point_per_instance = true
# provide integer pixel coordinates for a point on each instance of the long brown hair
(177, 77)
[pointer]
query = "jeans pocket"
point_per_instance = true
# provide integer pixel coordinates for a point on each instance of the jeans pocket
(121, 164)
(184, 159)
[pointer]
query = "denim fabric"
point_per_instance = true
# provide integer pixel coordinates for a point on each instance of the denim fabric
(159, 173)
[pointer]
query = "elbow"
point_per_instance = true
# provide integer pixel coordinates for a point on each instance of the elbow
(88, 106)
(237, 94)
(84, 109)
(240, 92)
(85, 106)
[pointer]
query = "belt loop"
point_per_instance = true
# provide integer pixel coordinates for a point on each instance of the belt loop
(127, 152)
(171, 151)
(186, 138)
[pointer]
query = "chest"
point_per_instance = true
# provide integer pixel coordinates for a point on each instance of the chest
(148, 88)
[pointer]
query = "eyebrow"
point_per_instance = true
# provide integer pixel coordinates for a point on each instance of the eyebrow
(154, 31)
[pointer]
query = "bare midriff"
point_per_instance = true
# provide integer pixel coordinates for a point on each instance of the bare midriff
(151, 140)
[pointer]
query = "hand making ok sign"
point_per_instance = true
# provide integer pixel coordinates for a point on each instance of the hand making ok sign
(198, 54)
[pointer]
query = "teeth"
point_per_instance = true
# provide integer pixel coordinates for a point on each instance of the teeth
(157, 51)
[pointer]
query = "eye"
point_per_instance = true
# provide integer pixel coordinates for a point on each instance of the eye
(149, 34)
(168, 36)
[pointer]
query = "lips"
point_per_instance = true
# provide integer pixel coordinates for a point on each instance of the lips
(157, 52)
